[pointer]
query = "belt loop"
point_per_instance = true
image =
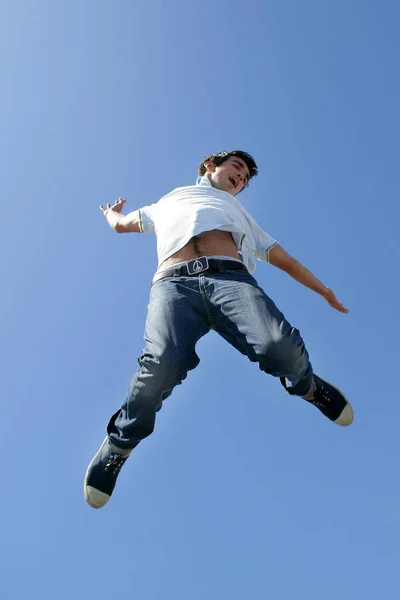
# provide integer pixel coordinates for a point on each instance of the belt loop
(221, 266)
(177, 271)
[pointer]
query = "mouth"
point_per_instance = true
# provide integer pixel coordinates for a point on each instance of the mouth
(234, 182)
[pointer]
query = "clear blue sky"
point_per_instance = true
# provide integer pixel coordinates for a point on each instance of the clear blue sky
(242, 491)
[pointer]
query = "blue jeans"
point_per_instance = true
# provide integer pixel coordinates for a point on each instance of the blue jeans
(183, 309)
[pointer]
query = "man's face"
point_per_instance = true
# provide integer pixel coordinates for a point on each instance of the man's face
(231, 176)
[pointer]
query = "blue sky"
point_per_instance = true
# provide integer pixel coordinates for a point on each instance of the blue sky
(242, 491)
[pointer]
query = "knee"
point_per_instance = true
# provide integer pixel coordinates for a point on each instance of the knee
(155, 380)
(168, 365)
(285, 354)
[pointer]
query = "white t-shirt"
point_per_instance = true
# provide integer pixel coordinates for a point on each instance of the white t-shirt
(188, 211)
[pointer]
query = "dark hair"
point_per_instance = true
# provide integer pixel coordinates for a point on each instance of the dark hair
(220, 157)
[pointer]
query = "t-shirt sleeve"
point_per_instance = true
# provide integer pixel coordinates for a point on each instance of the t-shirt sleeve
(146, 218)
(265, 243)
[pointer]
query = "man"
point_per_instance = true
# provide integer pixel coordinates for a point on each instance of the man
(206, 243)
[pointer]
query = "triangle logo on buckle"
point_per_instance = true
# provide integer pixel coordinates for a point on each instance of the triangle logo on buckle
(197, 265)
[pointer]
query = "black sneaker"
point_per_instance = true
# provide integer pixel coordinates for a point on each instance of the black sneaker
(101, 475)
(331, 402)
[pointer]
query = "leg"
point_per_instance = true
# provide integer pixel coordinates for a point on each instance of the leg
(176, 320)
(248, 319)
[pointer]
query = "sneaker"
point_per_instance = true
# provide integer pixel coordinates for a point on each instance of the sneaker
(331, 402)
(101, 475)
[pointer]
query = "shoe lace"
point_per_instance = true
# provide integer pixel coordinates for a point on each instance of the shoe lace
(115, 463)
(321, 397)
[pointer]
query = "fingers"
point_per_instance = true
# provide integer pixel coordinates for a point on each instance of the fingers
(339, 306)
(120, 201)
(334, 302)
(117, 204)
(103, 210)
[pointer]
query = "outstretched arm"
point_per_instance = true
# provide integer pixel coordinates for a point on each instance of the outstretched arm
(121, 223)
(278, 257)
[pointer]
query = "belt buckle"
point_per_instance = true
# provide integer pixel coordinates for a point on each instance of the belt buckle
(197, 265)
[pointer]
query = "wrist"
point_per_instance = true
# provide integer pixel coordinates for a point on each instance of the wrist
(325, 291)
(112, 217)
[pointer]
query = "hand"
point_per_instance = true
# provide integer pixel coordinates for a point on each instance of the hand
(334, 302)
(116, 207)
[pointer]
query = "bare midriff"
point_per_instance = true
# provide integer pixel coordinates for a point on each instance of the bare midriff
(208, 243)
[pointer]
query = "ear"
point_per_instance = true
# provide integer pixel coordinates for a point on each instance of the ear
(210, 168)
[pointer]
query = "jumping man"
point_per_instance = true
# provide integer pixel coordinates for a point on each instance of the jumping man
(206, 244)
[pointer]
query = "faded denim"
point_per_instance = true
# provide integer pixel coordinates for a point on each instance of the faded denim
(182, 310)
